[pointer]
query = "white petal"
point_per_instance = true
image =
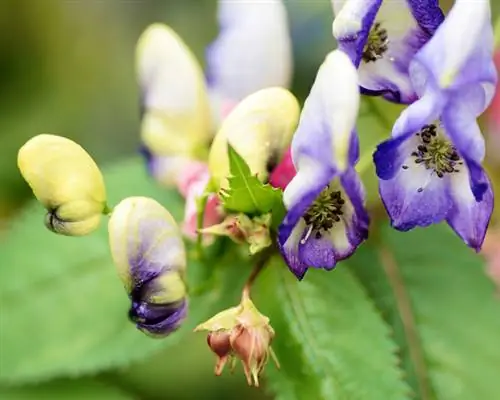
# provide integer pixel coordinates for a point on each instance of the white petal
(253, 50)
(330, 110)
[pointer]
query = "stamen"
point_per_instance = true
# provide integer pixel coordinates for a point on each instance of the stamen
(436, 152)
(308, 233)
(376, 45)
(322, 215)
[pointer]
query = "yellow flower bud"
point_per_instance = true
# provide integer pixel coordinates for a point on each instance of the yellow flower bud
(176, 119)
(66, 180)
(260, 129)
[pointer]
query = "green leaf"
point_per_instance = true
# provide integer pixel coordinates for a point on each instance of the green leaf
(246, 193)
(330, 340)
(432, 290)
(63, 308)
(82, 389)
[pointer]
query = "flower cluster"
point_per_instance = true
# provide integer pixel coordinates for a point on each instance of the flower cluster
(256, 167)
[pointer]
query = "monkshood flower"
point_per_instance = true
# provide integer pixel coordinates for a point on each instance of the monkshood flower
(176, 124)
(149, 254)
(252, 51)
(326, 219)
(381, 37)
(430, 170)
(260, 129)
(67, 181)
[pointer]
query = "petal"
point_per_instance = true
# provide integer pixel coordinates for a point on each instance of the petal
(260, 129)
(300, 193)
(357, 226)
(173, 93)
(303, 189)
(413, 196)
(329, 115)
(409, 24)
(458, 57)
(145, 241)
(212, 214)
(389, 157)
(252, 51)
(284, 172)
(468, 217)
(165, 169)
(289, 248)
(158, 320)
(345, 236)
(461, 125)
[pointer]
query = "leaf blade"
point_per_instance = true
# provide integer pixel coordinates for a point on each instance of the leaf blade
(444, 289)
(246, 193)
(64, 310)
(322, 341)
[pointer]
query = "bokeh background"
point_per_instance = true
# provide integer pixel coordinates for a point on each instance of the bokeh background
(67, 67)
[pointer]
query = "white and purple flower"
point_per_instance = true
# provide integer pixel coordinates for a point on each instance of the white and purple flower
(326, 219)
(253, 51)
(430, 170)
(381, 38)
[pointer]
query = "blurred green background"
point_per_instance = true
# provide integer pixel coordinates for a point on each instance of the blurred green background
(67, 67)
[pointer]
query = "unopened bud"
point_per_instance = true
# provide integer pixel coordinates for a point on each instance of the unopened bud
(66, 180)
(252, 346)
(241, 332)
(220, 344)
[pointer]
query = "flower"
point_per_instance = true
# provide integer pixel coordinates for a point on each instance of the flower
(381, 38)
(147, 249)
(430, 170)
(252, 51)
(260, 129)
(326, 219)
(176, 125)
(241, 332)
(67, 181)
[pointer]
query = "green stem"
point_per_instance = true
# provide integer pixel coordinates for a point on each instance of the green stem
(200, 216)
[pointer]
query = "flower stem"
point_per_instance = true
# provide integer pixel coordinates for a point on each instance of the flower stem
(200, 216)
(258, 268)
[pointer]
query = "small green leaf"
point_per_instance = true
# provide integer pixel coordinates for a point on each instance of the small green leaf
(82, 389)
(431, 288)
(246, 193)
(330, 340)
(64, 310)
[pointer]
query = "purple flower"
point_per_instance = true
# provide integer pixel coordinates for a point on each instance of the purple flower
(253, 51)
(326, 219)
(381, 39)
(148, 251)
(430, 170)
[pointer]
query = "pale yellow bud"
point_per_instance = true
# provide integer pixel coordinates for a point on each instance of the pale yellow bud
(260, 129)
(66, 180)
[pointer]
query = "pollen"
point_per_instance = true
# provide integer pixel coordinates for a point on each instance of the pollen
(436, 152)
(325, 211)
(376, 45)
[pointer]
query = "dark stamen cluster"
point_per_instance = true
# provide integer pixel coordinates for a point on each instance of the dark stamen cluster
(325, 211)
(376, 45)
(435, 152)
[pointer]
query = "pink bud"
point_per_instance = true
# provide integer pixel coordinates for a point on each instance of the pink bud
(191, 184)
(284, 172)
